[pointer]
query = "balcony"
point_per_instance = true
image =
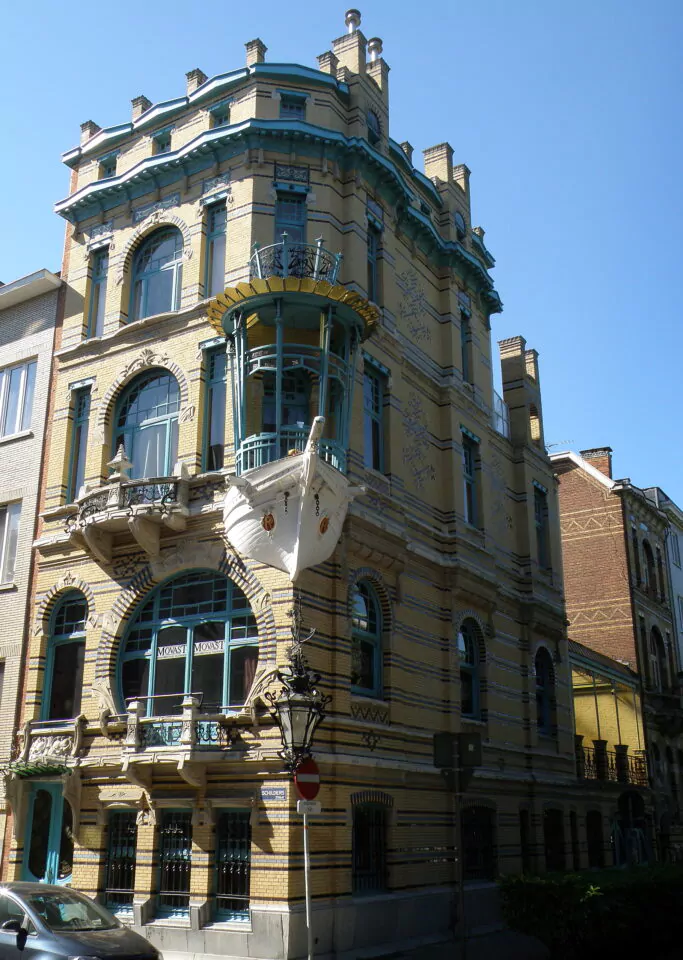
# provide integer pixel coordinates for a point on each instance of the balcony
(301, 260)
(615, 766)
(263, 448)
(141, 507)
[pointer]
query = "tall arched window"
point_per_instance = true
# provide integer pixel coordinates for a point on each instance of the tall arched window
(157, 274)
(470, 645)
(545, 693)
(650, 571)
(366, 640)
(659, 674)
(146, 423)
(195, 634)
(65, 657)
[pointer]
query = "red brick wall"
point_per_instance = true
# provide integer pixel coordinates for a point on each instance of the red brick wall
(595, 565)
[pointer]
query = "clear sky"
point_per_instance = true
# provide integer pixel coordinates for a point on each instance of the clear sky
(568, 115)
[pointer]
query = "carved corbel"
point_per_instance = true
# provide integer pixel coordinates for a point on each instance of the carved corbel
(134, 774)
(79, 725)
(100, 688)
(98, 543)
(146, 533)
(192, 773)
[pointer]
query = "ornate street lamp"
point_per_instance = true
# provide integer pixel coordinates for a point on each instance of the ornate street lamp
(300, 706)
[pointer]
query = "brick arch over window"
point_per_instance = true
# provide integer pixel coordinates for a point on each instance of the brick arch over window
(462, 615)
(147, 359)
(191, 555)
(372, 796)
(49, 601)
(150, 225)
(382, 591)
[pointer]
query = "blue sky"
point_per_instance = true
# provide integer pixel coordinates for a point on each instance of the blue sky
(568, 116)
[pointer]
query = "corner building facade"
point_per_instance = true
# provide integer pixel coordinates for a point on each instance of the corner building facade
(222, 393)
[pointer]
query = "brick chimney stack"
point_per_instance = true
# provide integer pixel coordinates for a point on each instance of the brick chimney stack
(600, 458)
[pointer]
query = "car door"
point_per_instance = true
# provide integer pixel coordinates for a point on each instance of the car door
(14, 946)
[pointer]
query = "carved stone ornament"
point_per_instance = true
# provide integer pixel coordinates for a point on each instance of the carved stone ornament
(417, 447)
(413, 309)
(188, 414)
(100, 689)
(47, 749)
(146, 358)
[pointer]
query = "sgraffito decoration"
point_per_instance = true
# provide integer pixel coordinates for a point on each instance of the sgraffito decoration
(413, 309)
(417, 447)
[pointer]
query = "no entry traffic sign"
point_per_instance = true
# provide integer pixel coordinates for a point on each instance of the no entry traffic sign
(307, 779)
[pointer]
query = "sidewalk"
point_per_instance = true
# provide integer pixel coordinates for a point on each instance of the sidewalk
(501, 945)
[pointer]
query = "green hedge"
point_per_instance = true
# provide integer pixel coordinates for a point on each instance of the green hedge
(594, 915)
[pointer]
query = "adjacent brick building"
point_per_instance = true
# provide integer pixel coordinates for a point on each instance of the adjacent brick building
(618, 598)
(28, 317)
(206, 330)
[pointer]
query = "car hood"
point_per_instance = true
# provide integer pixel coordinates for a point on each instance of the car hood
(118, 942)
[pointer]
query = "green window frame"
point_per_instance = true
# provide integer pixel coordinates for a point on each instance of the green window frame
(99, 268)
(374, 394)
(157, 274)
(122, 837)
(196, 634)
(466, 349)
(366, 641)
(291, 214)
(63, 687)
(233, 864)
(374, 242)
(216, 226)
(470, 645)
(213, 456)
(293, 106)
(108, 166)
(79, 442)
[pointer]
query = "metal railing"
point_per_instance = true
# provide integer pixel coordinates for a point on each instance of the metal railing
(608, 765)
(118, 496)
(264, 448)
(185, 726)
(287, 259)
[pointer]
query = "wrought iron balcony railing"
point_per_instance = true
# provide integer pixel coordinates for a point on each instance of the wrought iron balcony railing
(262, 448)
(608, 765)
(287, 259)
(188, 728)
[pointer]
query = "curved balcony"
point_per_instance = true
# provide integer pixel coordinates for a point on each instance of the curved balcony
(141, 507)
(301, 260)
(262, 448)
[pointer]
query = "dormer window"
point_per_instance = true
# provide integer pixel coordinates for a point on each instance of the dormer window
(220, 115)
(107, 167)
(162, 142)
(292, 106)
(374, 129)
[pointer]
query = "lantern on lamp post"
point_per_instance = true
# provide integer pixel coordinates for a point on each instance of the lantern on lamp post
(299, 707)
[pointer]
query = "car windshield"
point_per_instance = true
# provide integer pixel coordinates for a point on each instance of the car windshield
(67, 910)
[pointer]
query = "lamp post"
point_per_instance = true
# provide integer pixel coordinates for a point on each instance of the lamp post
(299, 708)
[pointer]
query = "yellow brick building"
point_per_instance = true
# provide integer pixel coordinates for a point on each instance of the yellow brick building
(198, 348)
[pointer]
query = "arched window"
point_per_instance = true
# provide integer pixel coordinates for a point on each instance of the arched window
(470, 646)
(650, 573)
(366, 640)
(659, 674)
(157, 274)
(545, 693)
(65, 657)
(195, 634)
(374, 128)
(478, 843)
(147, 423)
(595, 839)
(534, 424)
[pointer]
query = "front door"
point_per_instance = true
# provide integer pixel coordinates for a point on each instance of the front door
(48, 844)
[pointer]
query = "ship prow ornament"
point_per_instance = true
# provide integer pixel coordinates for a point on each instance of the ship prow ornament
(289, 513)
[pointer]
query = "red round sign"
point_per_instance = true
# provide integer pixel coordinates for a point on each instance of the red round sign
(307, 779)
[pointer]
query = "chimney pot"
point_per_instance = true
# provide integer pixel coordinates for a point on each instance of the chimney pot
(375, 48)
(256, 51)
(352, 20)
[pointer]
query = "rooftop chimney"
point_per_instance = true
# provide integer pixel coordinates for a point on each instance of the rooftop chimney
(352, 20)
(600, 458)
(439, 162)
(140, 104)
(195, 78)
(328, 63)
(256, 51)
(408, 148)
(88, 130)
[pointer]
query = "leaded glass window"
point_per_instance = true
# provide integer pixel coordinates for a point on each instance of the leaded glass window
(195, 635)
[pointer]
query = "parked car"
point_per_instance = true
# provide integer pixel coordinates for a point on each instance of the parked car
(39, 921)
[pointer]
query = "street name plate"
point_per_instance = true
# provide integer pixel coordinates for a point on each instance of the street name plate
(308, 806)
(273, 793)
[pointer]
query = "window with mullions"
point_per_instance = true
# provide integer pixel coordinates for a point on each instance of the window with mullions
(214, 440)
(374, 129)
(17, 386)
(147, 424)
(374, 388)
(196, 634)
(469, 468)
(79, 442)
(107, 167)
(366, 641)
(66, 653)
(162, 142)
(469, 650)
(175, 857)
(545, 693)
(374, 240)
(292, 106)
(157, 274)
(217, 217)
(233, 864)
(290, 218)
(220, 115)
(542, 531)
(10, 514)
(121, 852)
(369, 848)
(99, 266)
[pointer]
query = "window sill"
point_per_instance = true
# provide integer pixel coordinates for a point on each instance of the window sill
(11, 437)
(7, 587)
(368, 698)
(476, 721)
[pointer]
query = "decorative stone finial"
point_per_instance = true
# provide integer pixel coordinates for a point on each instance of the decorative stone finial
(120, 465)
